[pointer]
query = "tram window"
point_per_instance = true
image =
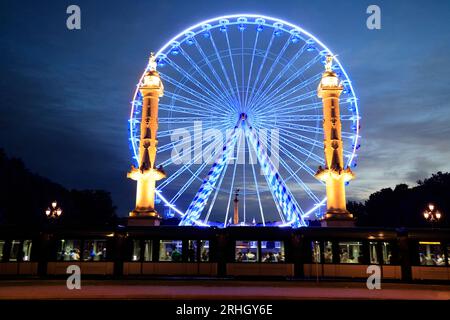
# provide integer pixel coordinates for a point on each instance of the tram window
(94, 250)
(350, 252)
(69, 250)
(448, 254)
(246, 251)
(315, 252)
(430, 254)
(26, 248)
(15, 249)
(136, 254)
(204, 250)
(373, 253)
(170, 250)
(2, 245)
(148, 250)
(192, 251)
(272, 251)
(328, 252)
(386, 249)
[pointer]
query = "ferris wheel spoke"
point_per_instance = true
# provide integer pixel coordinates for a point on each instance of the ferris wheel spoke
(274, 100)
(219, 80)
(284, 70)
(308, 154)
(260, 90)
(299, 137)
(298, 127)
(194, 93)
(182, 169)
(294, 174)
(289, 110)
(206, 78)
(194, 104)
(251, 67)
(184, 110)
(224, 71)
(233, 178)
(260, 69)
(183, 120)
(234, 71)
(209, 124)
(279, 190)
(201, 198)
(216, 193)
(216, 100)
(299, 162)
(195, 148)
(300, 182)
(296, 109)
(256, 186)
(242, 76)
(288, 102)
(191, 179)
(295, 75)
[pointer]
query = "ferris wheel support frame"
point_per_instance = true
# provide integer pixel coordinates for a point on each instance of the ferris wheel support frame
(289, 210)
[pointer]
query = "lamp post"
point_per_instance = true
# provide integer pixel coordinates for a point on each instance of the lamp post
(54, 211)
(432, 214)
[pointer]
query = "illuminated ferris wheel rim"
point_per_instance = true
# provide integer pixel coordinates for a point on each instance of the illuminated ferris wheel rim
(255, 19)
(266, 18)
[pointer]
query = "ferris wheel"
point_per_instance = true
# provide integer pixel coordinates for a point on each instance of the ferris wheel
(240, 123)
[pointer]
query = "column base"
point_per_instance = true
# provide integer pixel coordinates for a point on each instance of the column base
(143, 222)
(338, 219)
(144, 218)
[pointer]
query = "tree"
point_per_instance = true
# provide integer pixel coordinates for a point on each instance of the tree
(24, 196)
(404, 206)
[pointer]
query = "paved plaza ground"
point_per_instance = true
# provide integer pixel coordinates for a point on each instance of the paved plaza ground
(216, 290)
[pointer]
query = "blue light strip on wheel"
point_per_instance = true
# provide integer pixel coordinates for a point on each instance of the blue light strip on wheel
(290, 208)
(201, 198)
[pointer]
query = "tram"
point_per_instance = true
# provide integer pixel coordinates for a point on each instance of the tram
(234, 252)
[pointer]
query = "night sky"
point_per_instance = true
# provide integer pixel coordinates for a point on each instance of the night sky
(65, 95)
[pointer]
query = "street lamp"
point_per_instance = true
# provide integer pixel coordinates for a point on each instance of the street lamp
(432, 214)
(54, 211)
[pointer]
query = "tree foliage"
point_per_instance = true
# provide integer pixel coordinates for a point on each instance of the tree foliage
(24, 196)
(403, 206)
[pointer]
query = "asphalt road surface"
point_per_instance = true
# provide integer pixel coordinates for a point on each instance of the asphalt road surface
(215, 290)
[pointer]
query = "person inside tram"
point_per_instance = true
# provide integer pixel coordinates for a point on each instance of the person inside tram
(103, 254)
(344, 256)
(89, 253)
(270, 257)
(328, 255)
(239, 257)
(390, 259)
(166, 256)
(427, 260)
(205, 256)
(176, 255)
(421, 258)
(439, 260)
(249, 256)
(191, 253)
(74, 255)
